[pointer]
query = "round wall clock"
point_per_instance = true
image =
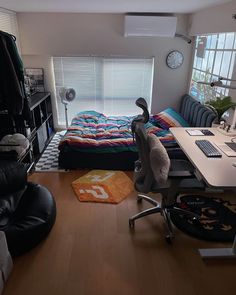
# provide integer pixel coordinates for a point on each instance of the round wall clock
(174, 59)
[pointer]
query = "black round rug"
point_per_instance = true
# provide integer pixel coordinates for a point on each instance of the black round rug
(218, 218)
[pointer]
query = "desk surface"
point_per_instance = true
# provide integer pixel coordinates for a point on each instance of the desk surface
(216, 172)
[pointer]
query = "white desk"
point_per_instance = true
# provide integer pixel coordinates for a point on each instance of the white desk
(216, 172)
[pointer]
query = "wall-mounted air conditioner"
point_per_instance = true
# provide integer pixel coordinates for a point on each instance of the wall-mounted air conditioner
(138, 25)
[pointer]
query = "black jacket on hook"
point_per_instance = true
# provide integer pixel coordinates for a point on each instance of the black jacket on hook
(12, 91)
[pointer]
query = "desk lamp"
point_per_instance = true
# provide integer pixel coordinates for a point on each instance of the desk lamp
(219, 83)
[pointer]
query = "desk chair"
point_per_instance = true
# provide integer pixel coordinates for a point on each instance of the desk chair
(155, 172)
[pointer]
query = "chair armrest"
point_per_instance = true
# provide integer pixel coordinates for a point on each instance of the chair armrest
(181, 174)
(170, 145)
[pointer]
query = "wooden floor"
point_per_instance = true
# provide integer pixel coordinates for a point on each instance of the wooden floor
(91, 250)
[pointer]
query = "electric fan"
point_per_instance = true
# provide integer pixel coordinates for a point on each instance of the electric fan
(67, 95)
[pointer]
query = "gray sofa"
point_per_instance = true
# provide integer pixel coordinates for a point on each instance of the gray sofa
(196, 114)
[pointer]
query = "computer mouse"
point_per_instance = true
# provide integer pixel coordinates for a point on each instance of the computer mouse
(234, 164)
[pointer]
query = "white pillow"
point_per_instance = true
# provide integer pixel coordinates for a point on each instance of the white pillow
(16, 139)
(160, 161)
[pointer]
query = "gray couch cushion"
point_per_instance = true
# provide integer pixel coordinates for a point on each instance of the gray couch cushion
(196, 114)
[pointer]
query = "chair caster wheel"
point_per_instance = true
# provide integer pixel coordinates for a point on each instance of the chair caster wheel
(131, 223)
(195, 221)
(169, 239)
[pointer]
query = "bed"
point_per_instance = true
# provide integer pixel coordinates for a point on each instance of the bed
(95, 141)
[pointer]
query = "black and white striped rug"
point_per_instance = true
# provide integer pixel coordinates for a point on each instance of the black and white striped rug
(48, 162)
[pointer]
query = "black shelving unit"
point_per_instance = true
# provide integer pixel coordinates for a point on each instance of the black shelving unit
(39, 130)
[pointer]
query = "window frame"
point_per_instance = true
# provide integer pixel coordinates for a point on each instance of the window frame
(203, 92)
(98, 101)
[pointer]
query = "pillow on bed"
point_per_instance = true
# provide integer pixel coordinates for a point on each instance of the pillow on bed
(169, 118)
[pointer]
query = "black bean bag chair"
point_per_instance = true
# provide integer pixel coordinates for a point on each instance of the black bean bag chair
(27, 210)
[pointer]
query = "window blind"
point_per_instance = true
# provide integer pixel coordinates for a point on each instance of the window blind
(106, 85)
(8, 23)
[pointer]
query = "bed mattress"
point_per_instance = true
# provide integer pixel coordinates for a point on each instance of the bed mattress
(96, 141)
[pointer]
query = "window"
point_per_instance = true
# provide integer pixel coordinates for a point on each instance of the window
(8, 23)
(214, 57)
(106, 85)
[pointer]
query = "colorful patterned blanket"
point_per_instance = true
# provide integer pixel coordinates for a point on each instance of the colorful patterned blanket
(94, 132)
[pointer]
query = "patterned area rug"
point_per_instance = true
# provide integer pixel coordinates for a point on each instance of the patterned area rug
(49, 159)
(218, 218)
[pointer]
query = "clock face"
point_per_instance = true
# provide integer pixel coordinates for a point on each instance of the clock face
(174, 59)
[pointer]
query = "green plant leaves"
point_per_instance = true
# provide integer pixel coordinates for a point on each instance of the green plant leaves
(221, 105)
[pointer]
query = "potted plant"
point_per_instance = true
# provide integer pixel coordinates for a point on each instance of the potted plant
(220, 105)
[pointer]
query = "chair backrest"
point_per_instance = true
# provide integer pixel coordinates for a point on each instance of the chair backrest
(153, 164)
(144, 118)
(143, 175)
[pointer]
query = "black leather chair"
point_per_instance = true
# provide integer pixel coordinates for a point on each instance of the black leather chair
(155, 172)
(27, 210)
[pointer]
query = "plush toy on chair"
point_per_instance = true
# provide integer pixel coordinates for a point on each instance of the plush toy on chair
(27, 210)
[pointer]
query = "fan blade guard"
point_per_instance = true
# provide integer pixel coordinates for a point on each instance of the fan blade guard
(67, 95)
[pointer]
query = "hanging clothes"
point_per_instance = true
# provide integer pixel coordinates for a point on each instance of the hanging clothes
(12, 90)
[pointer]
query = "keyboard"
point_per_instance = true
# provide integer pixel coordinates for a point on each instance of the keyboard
(208, 148)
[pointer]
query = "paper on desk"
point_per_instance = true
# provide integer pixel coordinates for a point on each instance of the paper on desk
(194, 132)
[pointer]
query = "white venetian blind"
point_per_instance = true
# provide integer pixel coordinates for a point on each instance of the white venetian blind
(8, 23)
(107, 85)
(126, 80)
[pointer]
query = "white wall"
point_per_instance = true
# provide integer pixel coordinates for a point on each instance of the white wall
(59, 34)
(217, 19)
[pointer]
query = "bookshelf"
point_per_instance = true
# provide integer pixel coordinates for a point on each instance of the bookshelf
(39, 130)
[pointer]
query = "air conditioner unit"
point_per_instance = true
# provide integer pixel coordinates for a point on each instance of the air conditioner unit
(138, 25)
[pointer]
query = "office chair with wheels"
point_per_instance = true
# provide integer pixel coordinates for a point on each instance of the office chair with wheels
(155, 172)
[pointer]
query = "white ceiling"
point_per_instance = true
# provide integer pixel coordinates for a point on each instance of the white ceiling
(110, 6)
